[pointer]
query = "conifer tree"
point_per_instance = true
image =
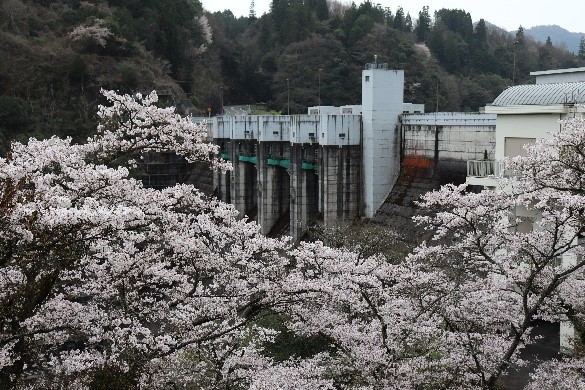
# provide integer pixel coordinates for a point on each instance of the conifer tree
(581, 52)
(423, 25)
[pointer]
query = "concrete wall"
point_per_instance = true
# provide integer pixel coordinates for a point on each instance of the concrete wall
(449, 136)
(341, 166)
(325, 129)
(305, 129)
(413, 108)
(290, 184)
(316, 110)
(338, 130)
(351, 109)
(273, 128)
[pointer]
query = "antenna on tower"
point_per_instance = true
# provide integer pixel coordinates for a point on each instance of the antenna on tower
(252, 14)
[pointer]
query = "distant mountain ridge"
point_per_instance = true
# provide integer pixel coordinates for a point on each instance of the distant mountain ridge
(558, 36)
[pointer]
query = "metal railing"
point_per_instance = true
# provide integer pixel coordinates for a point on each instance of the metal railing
(484, 168)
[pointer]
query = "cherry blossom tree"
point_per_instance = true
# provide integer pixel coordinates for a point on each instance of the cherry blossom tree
(103, 281)
(457, 312)
(95, 33)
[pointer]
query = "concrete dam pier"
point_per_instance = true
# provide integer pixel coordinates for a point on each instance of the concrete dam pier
(290, 170)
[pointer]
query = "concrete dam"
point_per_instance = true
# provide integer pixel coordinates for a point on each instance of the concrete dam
(342, 163)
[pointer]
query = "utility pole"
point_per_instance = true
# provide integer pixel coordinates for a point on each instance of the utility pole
(221, 99)
(514, 68)
(287, 97)
(320, 70)
(437, 94)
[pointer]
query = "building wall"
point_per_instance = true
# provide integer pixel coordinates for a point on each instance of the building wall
(524, 126)
(550, 77)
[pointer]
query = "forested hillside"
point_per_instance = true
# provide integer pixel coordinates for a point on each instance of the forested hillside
(56, 55)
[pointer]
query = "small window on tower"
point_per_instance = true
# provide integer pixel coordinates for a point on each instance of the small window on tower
(367, 78)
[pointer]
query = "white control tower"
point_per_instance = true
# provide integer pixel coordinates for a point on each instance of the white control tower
(382, 103)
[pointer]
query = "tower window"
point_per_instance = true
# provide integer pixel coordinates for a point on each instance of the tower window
(367, 78)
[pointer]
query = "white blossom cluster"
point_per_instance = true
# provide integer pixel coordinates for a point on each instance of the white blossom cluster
(205, 28)
(206, 31)
(96, 32)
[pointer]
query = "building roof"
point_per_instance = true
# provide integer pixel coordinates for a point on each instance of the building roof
(542, 94)
(557, 71)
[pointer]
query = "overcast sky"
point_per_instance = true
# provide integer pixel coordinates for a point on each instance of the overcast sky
(508, 14)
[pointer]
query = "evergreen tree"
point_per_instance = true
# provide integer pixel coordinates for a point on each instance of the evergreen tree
(399, 21)
(457, 21)
(423, 25)
(252, 14)
(279, 10)
(581, 52)
(482, 58)
(480, 35)
(363, 25)
(408, 23)
(520, 35)
(319, 7)
(388, 17)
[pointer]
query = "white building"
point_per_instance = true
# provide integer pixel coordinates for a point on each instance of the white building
(525, 113)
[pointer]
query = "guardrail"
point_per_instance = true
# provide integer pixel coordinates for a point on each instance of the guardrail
(484, 168)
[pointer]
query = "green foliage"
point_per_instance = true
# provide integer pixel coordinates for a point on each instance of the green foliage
(363, 25)
(300, 64)
(320, 8)
(109, 377)
(399, 22)
(293, 20)
(77, 70)
(480, 36)
(408, 23)
(130, 74)
(13, 114)
(58, 79)
(457, 21)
